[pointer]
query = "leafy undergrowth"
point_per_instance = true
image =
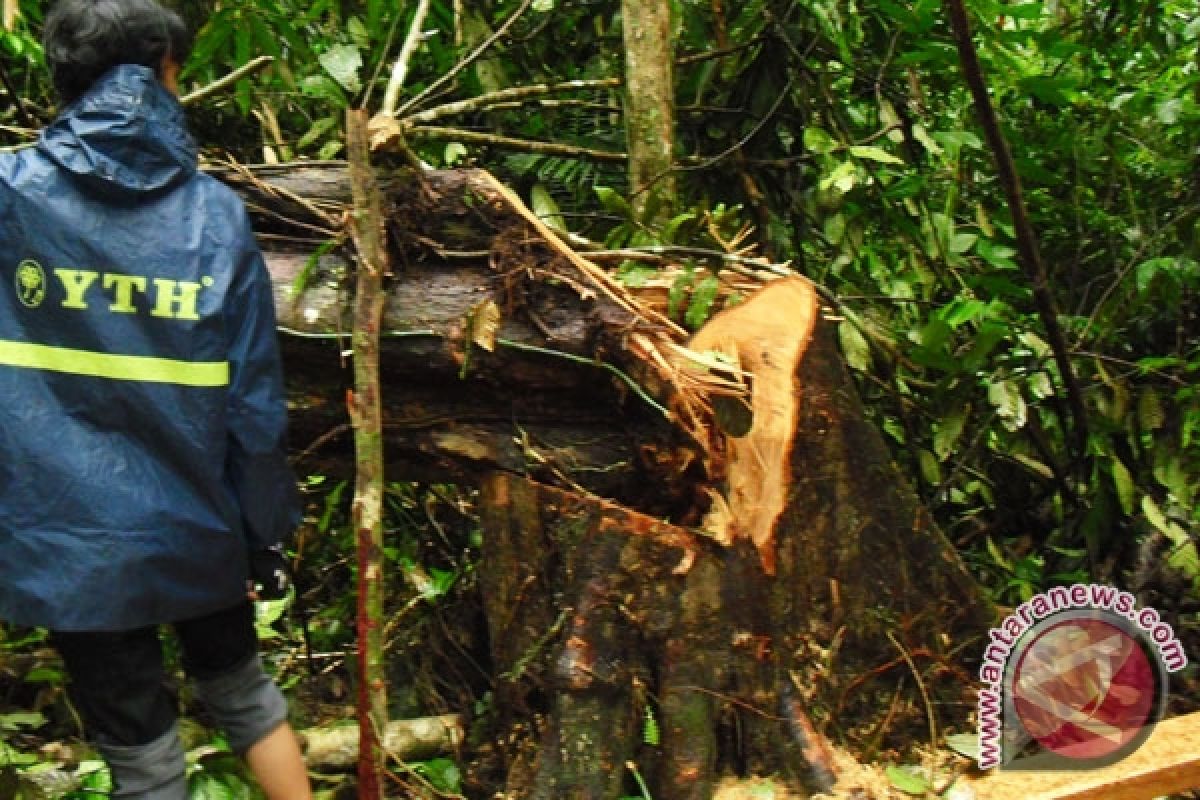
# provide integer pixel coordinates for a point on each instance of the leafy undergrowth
(436, 655)
(438, 663)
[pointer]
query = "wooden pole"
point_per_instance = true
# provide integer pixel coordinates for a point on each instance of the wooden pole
(365, 412)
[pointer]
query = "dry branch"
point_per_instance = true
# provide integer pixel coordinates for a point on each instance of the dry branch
(225, 81)
(400, 69)
(503, 97)
(470, 59)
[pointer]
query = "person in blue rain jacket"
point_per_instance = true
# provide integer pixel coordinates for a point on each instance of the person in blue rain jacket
(143, 478)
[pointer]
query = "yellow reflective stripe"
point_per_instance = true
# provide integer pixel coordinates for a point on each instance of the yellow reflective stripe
(117, 367)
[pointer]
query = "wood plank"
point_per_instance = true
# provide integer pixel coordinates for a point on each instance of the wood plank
(1168, 762)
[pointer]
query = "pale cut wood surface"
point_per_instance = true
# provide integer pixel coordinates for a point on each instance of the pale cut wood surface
(1168, 762)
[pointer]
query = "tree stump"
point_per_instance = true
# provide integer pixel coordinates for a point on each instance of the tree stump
(698, 556)
(695, 652)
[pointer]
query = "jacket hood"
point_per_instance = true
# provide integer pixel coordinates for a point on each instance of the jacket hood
(125, 136)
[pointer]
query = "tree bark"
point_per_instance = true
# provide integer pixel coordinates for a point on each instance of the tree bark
(719, 589)
(650, 106)
(367, 225)
(739, 650)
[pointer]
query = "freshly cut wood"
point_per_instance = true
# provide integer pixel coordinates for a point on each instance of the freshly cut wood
(1167, 763)
(762, 339)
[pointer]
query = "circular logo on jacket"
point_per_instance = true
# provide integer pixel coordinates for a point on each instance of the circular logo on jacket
(30, 283)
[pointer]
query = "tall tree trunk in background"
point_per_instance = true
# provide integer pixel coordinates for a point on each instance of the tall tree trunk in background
(1027, 244)
(649, 106)
(367, 223)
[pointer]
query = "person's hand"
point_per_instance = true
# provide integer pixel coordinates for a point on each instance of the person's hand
(269, 573)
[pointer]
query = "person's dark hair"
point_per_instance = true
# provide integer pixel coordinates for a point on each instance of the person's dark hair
(83, 39)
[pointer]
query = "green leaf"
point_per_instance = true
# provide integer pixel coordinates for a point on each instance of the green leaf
(453, 153)
(1123, 483)
(1171, 472)
(546, 209)
(906, 187)
(855, 348)
(443, 773)
(1148, 270)
(927, 141)
(1034, 466)
(941, 232)
(324, 88)
(818, 141)
(44, 675)
(703, 297)
(359, 33)
(931, 471)
(949, 430)
(843, 178)
(613, 202)
(1005, 397)
(679, 291)
(650, 731)
(907, 780)
(635, 274)
(1040, 385)
(22, 719)
(1168, 111)
(315, 131)
(954, 141)
(835, 228)
(241, 49)
(963, 310)
(1184, 556)
(1050, 89)
(1036, 344)
(1024, 10)
(1156, 517)
(342, 62)
(205, 786)
(965, 744)
(213, 37)
(874, 154)
(330, 149)
(962, 242)
(1150, 412)
(670, 232)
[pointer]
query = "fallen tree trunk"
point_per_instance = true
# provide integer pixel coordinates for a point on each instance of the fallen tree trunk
(336, 748)
(698, 556)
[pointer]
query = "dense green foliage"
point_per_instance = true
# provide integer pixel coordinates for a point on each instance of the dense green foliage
(842, 131)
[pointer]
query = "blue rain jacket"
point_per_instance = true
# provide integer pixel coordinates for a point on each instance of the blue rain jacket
(143, 417)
